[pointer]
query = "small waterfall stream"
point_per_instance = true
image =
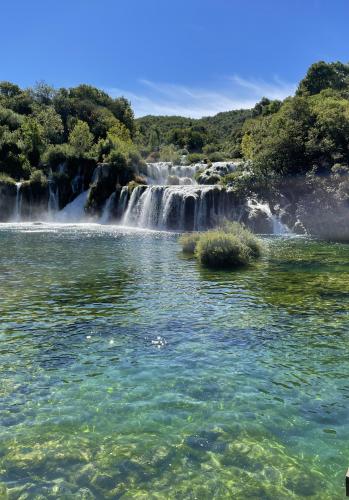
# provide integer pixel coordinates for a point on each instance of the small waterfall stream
(278, 227)
(18, 203)
(75, 210)
(53, 201)
(106, 214)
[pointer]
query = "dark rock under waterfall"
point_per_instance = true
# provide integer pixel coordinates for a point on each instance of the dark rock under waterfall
(8, 192)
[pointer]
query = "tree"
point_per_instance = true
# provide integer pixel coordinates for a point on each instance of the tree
(32, 138)
(43, 93)
(51, 123)
(8, 89)
(80, 138)
(322, 75)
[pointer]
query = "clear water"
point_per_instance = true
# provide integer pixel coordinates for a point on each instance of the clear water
(127, 371)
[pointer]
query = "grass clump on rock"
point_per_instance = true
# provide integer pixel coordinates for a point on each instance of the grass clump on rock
(189, 241)
(227, 247)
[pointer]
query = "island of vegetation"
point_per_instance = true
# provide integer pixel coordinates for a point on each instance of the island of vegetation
(229, 246)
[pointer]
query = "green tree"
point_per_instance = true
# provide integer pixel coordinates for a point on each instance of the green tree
(33, 140)
(322, 75)
(80, 138)
(51, 123)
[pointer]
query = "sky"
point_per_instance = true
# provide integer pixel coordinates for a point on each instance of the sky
(175, 57)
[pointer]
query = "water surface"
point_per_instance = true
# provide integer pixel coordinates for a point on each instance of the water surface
(127, 371)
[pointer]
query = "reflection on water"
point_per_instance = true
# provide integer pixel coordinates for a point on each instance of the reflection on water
(127, 371)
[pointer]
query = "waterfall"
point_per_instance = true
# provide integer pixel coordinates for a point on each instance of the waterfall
(18, 203)
(106, 215)
(53, 201)
(163, 173)
(277, 226)
(75, 210)
(77, 184)
(178, 207)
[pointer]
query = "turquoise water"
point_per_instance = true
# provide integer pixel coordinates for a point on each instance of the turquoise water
(127, 371)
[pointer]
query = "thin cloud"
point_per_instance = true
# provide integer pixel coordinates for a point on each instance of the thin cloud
(158, 98)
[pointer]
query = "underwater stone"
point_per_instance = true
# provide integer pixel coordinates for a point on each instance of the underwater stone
(103, 481)
(85, 494)
(85, 474)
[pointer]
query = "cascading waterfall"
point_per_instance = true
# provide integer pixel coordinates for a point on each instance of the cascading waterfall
(278, 227)
(162, 173)
(178, 207)
(53, 200)
(75, 210)
(172, 200)
(106, 214)
(18, 203)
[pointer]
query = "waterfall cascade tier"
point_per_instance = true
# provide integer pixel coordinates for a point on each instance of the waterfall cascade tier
(164, 173)
(179, 207)
(172, 200)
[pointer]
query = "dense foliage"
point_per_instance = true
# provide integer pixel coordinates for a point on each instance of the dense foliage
(215, 137)
(41, 127)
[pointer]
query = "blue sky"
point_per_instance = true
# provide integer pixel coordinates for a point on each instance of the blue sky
(188, 57)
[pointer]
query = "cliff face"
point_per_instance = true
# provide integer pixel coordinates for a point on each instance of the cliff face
(8, 192)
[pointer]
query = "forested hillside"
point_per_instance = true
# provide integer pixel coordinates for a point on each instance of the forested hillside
(214, 137)
(41, 127)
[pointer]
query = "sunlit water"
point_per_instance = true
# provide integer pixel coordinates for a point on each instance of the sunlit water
(127, 371)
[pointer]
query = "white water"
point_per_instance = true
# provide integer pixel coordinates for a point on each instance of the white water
(74, 211)
(53, 201)
(163, 173)
(278, 227)
(105, 217)
(158, 206)
(18, 203)
(177, 207)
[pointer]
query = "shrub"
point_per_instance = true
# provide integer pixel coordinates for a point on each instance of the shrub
(229, 246)
(249, 239)
(217, 156)
(170, 153)
(189, 242)
(57, 154)
(219, 249)
(196, 158)
(6, 179)
(38, 177)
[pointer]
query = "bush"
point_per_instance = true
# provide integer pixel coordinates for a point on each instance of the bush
(189, 241)
(170, 153)
(196, 158)
(6, 179)
(38, 177)
(217, 156)
(57, 155)
(219, 249)
(229, 246)
(249, 239)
